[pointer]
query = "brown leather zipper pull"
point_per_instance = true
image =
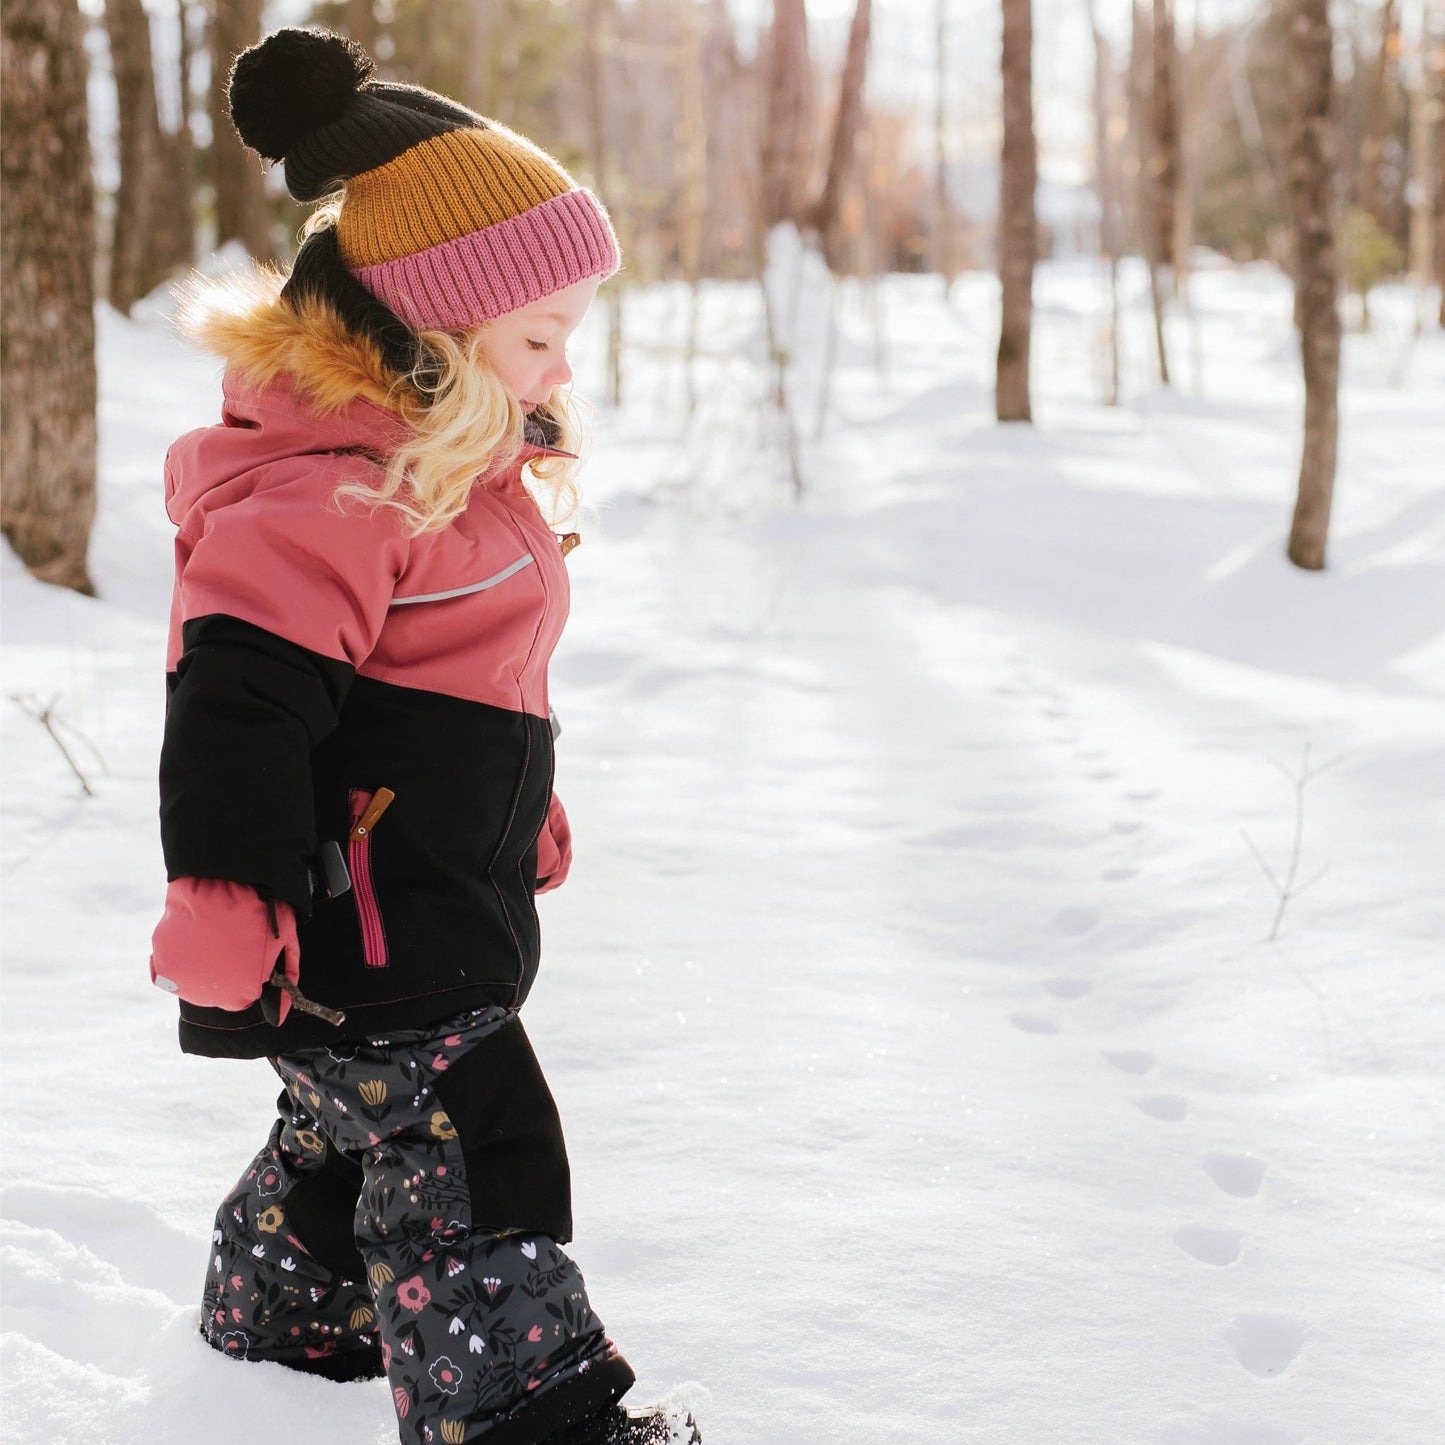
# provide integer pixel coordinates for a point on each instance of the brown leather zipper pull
(569, 540)
(381, 800)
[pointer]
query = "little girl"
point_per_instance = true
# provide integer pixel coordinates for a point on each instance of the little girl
(356, 782)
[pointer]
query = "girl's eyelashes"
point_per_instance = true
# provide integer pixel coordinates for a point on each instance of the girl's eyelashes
(537, 345)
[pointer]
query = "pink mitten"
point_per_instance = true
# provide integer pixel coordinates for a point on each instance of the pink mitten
(218, 943)
(554, 848)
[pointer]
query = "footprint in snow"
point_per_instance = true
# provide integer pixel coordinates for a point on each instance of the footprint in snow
(1101, 775)
(1169, 1107)
(1125, 826)
(1034, 1023)
(1054, 712)
(1238, 1174)
(1142, 795)
(1266, 1344)
(1209, 1246)
(1130, 1061)
(1068, 987)
(1118, 875)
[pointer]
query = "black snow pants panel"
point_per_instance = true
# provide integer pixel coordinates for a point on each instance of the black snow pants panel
(405, 1218)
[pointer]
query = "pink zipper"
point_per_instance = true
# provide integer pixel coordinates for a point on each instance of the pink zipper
(363, 820)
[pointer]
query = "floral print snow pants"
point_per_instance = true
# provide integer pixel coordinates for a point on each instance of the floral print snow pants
(404, 1217)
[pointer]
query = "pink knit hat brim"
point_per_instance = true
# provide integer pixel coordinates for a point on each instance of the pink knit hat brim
(487, 273)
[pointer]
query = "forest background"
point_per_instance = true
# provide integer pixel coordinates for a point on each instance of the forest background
(940, 136)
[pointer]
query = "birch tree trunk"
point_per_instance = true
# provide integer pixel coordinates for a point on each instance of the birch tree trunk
(242, 212)
(845, 133)
(1018, 230)
(47, 294)
(1311, 177)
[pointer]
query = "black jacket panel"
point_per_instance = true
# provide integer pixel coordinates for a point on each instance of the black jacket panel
(450, 870)
(245, 709)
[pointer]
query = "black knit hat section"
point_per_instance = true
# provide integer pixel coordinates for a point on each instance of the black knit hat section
(305, 97)
(319, 274)
(381, 123)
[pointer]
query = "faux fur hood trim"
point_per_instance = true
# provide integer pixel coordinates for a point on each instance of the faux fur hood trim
(242, 318)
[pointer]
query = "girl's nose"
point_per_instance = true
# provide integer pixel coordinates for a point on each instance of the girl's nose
(560, 373)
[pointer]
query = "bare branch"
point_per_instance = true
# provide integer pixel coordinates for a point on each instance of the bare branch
(1259, 858)
(44, 714)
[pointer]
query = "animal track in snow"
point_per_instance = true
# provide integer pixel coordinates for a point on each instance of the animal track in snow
(1068, 987)
(1209, 1246)
(1169, 1107)
(1075, 921)
(1033, 1023)
(1238, 1174)
(1266, 1344)
(1130, 1061)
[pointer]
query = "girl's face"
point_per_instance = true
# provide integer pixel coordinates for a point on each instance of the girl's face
(527, 348)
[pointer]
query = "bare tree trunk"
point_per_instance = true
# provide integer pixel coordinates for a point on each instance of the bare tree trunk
(177, 227)
(242, 211)
(787, 126)
(480, 53)
(845, 134)
(135, 265)
(694, 183)
(361, 23)
(1424, 128)
(1377, 118)
(1141, 90)
(1262, 173)
(1108, 215)
(1018, 226)
(1311, 177)
(47, 292)
(1440, 192)
(597, 135)
(943, 261)
(1165, 170)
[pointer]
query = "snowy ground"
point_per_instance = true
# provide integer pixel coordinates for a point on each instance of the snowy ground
(927, 1077)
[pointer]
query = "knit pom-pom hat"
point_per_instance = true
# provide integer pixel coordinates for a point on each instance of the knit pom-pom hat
(448, 218)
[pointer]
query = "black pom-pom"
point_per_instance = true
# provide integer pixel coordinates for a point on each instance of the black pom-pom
(292, 83)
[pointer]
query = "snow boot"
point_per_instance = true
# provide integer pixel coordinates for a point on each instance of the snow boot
(617, 1425)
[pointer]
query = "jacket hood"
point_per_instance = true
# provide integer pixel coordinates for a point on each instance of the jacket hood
(298, 382)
